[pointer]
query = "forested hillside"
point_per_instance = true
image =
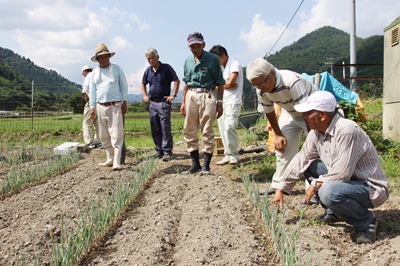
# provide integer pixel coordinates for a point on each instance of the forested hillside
(16, 76)
(318, 50)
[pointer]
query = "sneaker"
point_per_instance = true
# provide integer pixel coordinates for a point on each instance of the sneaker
(368, 235)
(99, 145)
(167, 157)
(234, 161)
(91, 145)
(328, 218)
(223, 162)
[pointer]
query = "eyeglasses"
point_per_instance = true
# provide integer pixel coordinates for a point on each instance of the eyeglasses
(262, 83)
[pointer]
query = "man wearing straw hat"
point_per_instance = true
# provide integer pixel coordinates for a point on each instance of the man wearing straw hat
(92, 140)
(108, 100)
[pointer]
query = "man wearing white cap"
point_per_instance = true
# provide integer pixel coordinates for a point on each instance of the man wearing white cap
(92, 140)
(108, 100)
(342, 164)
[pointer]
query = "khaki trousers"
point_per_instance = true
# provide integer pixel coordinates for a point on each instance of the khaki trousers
(201, 112)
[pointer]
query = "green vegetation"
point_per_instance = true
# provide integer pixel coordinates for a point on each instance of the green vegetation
(28, 166)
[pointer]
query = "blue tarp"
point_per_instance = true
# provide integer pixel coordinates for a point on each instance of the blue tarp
(329, 83)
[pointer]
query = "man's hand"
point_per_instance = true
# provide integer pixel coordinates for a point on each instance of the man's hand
(92, 114)
(278, 198)
(220, 110)
(169, 99)
(146, 99)
(309, 193)
(183, 109)
(280, 143)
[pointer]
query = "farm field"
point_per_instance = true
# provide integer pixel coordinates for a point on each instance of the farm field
(181, 220)
(150, 214)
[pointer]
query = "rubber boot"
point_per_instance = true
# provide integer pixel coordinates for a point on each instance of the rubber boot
(110, 157)
(196, 167)
(117, 159)
(205, 170)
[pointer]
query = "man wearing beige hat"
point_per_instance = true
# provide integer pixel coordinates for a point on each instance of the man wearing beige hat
(88, 125)
(108, 100)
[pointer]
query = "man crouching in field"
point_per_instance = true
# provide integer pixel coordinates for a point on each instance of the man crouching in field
(342, 164)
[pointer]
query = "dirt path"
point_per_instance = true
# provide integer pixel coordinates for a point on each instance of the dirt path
(183, 220)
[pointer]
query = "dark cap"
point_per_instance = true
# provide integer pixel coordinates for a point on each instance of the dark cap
(195, 37)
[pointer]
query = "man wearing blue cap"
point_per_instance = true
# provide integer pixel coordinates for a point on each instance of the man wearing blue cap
(200, 105)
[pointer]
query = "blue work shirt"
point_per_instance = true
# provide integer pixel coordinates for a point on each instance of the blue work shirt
(160, 80)
(205, 74)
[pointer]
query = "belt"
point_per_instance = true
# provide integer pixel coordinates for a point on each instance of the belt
(158, 99)
(110, 103)
(200, 89)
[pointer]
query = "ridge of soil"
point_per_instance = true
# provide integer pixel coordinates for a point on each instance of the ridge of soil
(184, 220)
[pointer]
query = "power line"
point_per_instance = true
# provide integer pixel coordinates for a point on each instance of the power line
(284, 30)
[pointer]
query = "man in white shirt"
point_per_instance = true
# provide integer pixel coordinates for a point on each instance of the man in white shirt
(92, 140)
(232, 103)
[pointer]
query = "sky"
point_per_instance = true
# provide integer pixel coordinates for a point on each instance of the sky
(62, 35)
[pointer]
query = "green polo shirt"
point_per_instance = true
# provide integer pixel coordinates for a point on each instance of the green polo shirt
(205, 74)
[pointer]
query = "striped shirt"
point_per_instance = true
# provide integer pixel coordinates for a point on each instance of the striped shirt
(290, 89)
(347, 152)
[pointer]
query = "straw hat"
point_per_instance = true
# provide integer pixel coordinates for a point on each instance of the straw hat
(100, 50)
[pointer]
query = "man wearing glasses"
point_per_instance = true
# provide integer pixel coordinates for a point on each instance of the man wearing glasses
(285, 88)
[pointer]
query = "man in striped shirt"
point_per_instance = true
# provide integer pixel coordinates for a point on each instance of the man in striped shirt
(342, 164)
(285, 88)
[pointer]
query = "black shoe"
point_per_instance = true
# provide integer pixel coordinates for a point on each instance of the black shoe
(167, 157)
(205, 170)
(158, 155)
(328, 218)
(192, 170)
(368, 235)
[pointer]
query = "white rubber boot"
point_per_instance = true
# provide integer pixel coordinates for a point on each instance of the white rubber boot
(117, 159)
(110, 157)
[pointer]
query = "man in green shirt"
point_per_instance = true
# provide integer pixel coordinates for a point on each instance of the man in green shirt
(200, 104)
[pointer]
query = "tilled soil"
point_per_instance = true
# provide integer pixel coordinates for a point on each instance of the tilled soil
(184, 220)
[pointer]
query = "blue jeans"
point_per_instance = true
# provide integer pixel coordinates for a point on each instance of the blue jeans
(347, 200)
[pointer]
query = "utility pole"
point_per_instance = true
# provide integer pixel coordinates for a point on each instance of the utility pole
(353, 52)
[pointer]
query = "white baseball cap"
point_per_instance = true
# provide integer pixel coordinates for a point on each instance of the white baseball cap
(320, 101)
(86, 67)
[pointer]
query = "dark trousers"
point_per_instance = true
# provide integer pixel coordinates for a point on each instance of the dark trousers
(160, 122)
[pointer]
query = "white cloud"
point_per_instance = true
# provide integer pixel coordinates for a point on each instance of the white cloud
(135, 80)
(262, 37)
